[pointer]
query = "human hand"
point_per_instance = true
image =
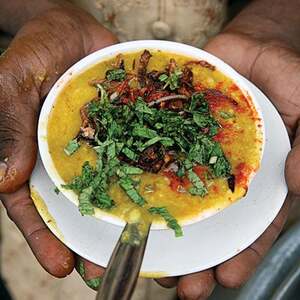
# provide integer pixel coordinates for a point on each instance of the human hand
(41, 51)
(275, 69)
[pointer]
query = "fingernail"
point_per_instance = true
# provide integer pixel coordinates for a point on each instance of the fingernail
(3, 170)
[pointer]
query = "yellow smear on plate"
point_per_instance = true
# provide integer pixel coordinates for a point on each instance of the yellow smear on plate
(44, 212)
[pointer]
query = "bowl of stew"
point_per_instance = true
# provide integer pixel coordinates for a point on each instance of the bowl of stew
(151, 130)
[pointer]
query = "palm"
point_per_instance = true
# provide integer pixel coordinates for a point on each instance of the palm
(31, 65)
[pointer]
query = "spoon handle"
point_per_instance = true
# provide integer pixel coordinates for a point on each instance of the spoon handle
(124, 265)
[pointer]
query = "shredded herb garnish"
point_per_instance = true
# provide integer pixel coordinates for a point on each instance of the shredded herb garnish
(133, 133)
(171, 80)
(171, 221)
(56, 190)
(226, 115)
(116, 74)
(72, 147)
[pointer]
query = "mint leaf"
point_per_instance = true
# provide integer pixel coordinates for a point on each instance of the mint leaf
(198, 185)
(141, 106)
(144, 132)
(171, 221)
(227, 115)
(221, 168)
(127, 184)
(72, 147)
(130, 170)
(130, 154)
(85, 206)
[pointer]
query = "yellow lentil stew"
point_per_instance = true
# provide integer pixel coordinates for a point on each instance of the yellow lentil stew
(158, 132)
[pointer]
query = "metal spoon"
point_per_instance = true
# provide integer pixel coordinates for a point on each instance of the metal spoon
(124, 265)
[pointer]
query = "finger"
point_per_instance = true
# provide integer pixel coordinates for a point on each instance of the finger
(167, 282)
(197, 286)
(38, 55)
(55, 258)
(292, 169)
(236, 271)
(17, 137)
(91, 273)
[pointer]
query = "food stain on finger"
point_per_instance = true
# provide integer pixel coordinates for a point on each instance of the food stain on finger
(44, 212)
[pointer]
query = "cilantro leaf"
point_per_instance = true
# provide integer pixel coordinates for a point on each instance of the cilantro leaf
(141, 106)
(172, 80)
(198, 103)
(171, 221)
(116, 74)
(81, 182)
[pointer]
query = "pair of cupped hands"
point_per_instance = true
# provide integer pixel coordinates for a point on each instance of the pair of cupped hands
(44, 48)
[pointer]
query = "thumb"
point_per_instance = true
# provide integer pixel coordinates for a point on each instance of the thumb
(38, 55)
(17, 135)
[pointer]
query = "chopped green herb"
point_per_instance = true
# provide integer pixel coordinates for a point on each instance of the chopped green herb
(130, 154)
(130, 170)
(85, 205)
(116, 74)
(227, 115)
(144, 132)
(221, 168)
(172, 80)
(141, 106)
(72, 147)
(104, 101)
(171, 221)
(127, 184)
(181, 171)
(102, 200)
(56, 190)
(198, 185)
(198, 103)
(206, 121)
